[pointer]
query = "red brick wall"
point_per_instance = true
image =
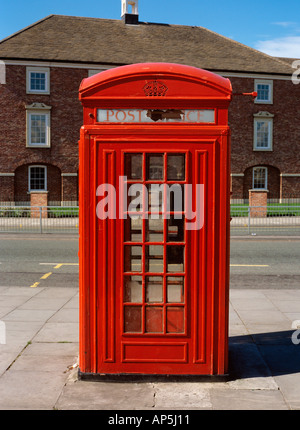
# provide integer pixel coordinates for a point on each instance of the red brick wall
(66, 120)
(38, 199)
(7, 188)
(290, 187)
(237, 186)
(286, 133)
(258, 199)
(273, 182)
(70, 188)
(53, 183)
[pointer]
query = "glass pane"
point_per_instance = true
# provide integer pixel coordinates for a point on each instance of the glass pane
(175, 229)
(262, 134)
(176, 168)
(154, 289)
(133, 319)
(155, 197)
(135, 197)
(155, 167)
(154, 230)
(175, 320)
(38, 129)
(133, 229)
(175, 289)
(154, 319)
(175, 195)
(38, 81)
(259, 177)
(263, 92)
(134, 166)
(133, 289)
(154, 258)
(133, 258)
(37, 178)
(175, 258)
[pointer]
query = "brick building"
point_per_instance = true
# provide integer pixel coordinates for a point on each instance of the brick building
(40, 116)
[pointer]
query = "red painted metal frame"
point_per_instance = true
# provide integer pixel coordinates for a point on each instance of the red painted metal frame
(203, 348)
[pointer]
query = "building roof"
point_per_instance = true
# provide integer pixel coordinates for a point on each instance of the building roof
(112, 42)
(288, 60)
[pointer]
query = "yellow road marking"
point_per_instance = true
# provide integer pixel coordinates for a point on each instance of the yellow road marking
(57, 266)
(69, 264)
(46, 275)
(34, 285)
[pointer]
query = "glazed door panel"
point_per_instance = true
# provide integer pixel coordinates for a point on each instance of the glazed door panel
(154, 292)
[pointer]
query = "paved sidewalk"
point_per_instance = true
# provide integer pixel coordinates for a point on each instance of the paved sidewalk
(41, 347)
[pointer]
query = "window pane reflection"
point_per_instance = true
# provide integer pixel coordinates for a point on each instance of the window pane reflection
(155, 197)
(175, 258)
(176, 168)
(154, 258)
(154, 289)
(175, 319)
(155, 167)
(154, 319)
(175, 289)
(154, 230)
(134, 166)
(133, 230)
(133, 289)
(175, 229)
(133, 319)
(133, 258)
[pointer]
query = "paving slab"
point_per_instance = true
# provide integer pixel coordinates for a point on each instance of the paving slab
(51, 303)
(50, 349)
(242, 399)
(23, 315)
(262, 316)
(65, 315)
(20, 292)
(62, 292)
(30, 389)
(182, 396)
(290, 388)
(86, 395)
(58, 332)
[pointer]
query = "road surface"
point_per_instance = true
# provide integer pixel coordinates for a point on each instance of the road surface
(52, 260)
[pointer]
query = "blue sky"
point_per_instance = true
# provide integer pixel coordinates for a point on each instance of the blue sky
(270, 26)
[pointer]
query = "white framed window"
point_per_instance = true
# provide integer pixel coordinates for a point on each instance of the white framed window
(37, 178)
(263, 132)
(264, 89)
(260, 178)
(38, 80)
(38, 125)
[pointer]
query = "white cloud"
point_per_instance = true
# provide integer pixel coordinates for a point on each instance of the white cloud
(285, 23)
(281, 46)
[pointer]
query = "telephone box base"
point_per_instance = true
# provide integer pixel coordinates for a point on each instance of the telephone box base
(134, 377)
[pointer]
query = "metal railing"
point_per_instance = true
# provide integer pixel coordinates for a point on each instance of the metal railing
(245, 220)
(265, 220)
(39, 219)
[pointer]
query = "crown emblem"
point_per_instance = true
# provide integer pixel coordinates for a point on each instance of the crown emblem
(155, 89)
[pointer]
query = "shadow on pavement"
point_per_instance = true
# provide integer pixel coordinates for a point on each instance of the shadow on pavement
(264, 354)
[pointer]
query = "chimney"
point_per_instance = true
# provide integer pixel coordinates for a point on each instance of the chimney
(130, 11)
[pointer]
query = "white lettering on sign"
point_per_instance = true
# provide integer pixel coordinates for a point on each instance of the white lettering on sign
(156, 115)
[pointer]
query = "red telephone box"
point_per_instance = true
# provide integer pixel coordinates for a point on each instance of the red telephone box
(154, 221)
